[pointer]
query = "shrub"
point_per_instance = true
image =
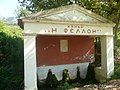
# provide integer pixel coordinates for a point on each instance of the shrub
(11, 57)
(65, 76)
(90, 77)
(78, 79)
(78, 74)
(51, 80)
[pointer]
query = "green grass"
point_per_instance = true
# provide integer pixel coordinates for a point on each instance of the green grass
(117, 71)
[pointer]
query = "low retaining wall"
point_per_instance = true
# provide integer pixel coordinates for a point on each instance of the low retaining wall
(58, 70)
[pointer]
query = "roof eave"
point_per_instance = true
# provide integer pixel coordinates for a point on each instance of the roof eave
(67, 22)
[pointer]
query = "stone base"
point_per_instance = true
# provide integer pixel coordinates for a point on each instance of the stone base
(98, 74)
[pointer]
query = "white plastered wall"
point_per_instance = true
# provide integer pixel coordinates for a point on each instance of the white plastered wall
(107, 56)
(46, 29)
(30, 69)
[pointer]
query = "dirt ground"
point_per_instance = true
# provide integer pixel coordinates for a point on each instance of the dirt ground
(111, 85)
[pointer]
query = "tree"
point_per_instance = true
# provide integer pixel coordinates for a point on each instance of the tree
(11, 57)
(22, 12)
(37, 5)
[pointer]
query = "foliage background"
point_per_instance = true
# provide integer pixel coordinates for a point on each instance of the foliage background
(11, 57)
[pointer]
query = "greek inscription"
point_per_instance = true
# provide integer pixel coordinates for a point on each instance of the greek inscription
(78, 31)
(54, 30)
(65, 30)
(93, 31)
(71, 31)
(83, 31)
(88, 31)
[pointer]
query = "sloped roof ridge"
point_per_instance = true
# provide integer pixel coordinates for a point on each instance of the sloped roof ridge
(53, 10)
(66, 8)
